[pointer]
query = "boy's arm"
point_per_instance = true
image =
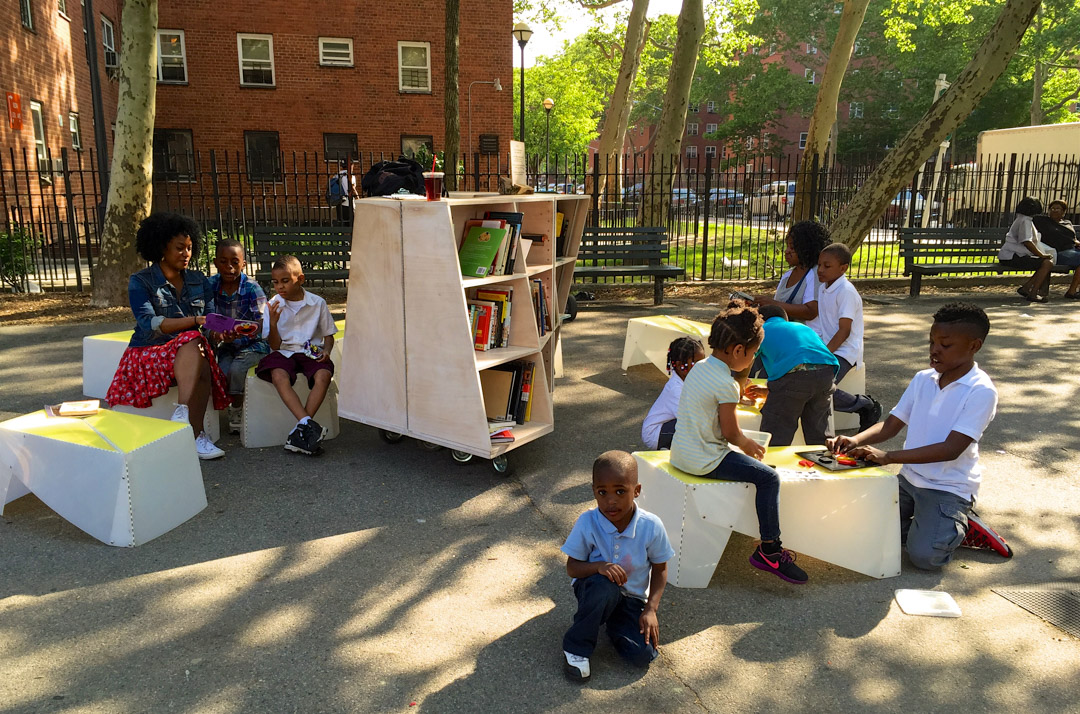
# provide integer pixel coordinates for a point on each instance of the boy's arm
(842, 333)
(328, 344)
(650, 625)
(947, 450)
(581, 569)
(882, 431)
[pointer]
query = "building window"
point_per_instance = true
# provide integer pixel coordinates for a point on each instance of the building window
(694, 107)
(410, 144)
(414, 66)
(337, 147)
(691, 152)
(710, 128)
(855, 110)
(172, 57)
(723, 152)
(335, 51)
(811, 48)
(76, 135)
(256, 55)
(710, 151)
(39, 139)
(108, 43)
(61, 5)
(26, 13)
(802, 140)
(749, 143)
(263, 155)
(810, 75)
(174, 154)
(765, 142)
(754, 50)
(892, 111)
(710, 107)
(691, 129)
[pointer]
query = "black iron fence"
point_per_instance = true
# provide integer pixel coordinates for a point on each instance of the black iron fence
(726, 216)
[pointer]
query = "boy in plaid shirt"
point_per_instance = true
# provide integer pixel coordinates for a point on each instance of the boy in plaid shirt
(239, 297)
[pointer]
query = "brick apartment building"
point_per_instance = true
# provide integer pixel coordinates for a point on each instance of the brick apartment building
(45, 77)
(261, 79)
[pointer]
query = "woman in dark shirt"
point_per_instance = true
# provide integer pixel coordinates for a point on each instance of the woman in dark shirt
(1060, 235)
(170, 303)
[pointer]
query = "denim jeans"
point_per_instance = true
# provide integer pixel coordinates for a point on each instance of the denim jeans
(1070, 258)
(236, 363)
(667, 433)
(736, 466)
(600, 602)
(932, 524)
(845, 401)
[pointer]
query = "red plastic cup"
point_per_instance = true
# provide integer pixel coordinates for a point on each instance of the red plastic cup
(433, 185)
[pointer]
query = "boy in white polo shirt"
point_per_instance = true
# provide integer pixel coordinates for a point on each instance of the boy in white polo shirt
(946, 409)
(840, 325)
(617, 554)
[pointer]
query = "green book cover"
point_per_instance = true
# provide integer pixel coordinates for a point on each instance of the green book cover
(478, 250)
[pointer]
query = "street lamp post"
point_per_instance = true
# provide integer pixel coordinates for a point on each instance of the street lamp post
(522, 33)
(548, 104)
(498, 88)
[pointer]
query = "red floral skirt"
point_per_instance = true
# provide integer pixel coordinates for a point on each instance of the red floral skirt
(147, 372)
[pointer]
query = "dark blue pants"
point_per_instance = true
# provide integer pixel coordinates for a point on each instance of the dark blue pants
(600, 601)
(736, 466)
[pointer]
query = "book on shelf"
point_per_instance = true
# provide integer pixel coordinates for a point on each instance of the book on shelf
(513, 222)
(497, 387)
(502, 297)
(484, 323)
(502, 436)
(497, 424)
(479, 246)
(560, 230)
(539, 294)
(526, 392)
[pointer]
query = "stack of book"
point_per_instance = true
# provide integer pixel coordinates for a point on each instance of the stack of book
(561, 234)
(489, 316)
(508, 393)
(489, 245)
(543, 316)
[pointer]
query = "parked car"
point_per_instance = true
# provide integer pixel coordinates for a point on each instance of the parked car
(775, 200)
(725, 202)
(898, 208)
(683, 197)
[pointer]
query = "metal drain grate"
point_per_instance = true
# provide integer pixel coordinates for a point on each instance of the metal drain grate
(1057, 603)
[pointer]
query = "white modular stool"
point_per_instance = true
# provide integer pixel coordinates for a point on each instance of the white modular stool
(337, 353)
(853, 382)
(267, 422)
(647, 338)
(124, 479)
(850, 519)
(101, 357)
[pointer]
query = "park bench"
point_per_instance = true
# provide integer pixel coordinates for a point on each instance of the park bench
(323, 251)
(933, 251)
(626, 251)
(848, 518)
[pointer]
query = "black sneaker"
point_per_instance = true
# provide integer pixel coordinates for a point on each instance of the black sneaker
(314, 432)
(868, 416)
(780, 564)
(298, 441)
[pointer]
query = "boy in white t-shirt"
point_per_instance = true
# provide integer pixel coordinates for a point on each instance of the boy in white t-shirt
(300, 330)
(840, 325)
(946, 409)
(659, 426)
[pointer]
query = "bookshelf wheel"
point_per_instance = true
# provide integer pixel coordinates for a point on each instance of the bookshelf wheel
(462, 457)
(428, 446)
(571, 309)
(501, 464)
(390, 437)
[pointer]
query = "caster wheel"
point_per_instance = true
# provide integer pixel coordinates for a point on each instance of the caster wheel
(428, 446)
(571, 309)
(462, 457)
(501, 465)
(390, 437)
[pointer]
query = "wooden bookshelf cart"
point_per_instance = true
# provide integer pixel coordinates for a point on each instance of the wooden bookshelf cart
(412, 369)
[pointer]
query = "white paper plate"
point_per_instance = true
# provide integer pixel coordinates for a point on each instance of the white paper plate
(927, 602)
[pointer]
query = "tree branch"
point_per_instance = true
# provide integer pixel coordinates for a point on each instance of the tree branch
(1072, 95)
(597, 4)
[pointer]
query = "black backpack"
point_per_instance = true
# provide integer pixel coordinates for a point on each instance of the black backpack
(389, 177)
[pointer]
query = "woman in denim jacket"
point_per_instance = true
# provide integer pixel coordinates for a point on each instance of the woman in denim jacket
(170, 302)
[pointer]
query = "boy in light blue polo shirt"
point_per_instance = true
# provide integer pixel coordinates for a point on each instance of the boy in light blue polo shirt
(617, 554)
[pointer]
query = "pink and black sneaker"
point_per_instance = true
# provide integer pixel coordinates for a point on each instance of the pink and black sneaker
(781, 564)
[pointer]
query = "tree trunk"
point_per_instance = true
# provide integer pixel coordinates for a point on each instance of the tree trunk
(613, 135)
(1038, 80)
(823, 119)
(669, 133)
(130, 187)
(451, 96)
(976, 79)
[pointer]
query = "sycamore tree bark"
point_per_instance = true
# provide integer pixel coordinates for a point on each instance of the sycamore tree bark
(617, 116)
(690, 29)
(976, 79)
(130, 187)
(824, 117)
(451, 97)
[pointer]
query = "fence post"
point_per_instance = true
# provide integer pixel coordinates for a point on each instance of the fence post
(1009, 185)
(705, 222)
(596, 189)
(217, 193)
(476, 173)
(70, 219)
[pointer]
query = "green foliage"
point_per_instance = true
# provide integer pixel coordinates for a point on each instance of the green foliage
(16, 249)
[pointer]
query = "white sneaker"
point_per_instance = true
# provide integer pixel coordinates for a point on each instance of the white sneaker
(206, 448)
(181, 414)
(577, 668)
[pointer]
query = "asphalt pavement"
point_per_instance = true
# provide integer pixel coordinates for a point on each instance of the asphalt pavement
(382, 577)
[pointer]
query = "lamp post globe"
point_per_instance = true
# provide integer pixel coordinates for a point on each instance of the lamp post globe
(522, 33)
(549, 104)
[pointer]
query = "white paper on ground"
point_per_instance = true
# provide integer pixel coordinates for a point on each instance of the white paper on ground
(927, 602)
